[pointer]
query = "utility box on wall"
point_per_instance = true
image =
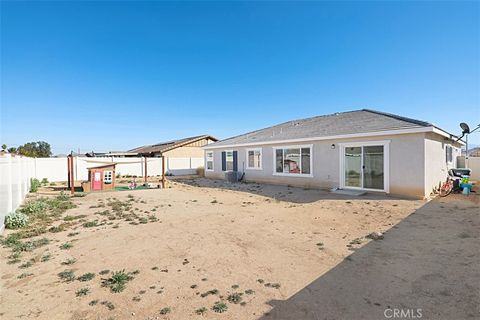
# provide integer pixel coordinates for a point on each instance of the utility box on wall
(100, 178)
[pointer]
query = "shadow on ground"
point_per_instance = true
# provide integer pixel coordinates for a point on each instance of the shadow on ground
(277, 192)
(429, 261)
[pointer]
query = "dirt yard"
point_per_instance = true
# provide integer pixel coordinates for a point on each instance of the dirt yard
(199, 249)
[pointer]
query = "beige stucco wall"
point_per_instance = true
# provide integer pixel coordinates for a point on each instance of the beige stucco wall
(436, 166)
(192, 150)
(406, 154)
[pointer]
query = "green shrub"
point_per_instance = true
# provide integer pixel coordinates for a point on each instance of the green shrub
(82, 292)
(35, 206)
(67, 275)
(34, 185)
(15, 220)
(118, 280)
(44, 181)
(62, 197)
(220, 307)
(86, 277)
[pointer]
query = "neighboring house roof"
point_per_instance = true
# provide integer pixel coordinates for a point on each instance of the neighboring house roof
(170, 145)
(337, 125)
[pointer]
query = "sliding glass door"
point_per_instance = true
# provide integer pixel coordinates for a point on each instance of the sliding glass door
(364, 167)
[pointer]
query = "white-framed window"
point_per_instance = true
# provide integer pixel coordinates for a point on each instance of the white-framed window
(209, 160)
(229, 160)
(293, 160)
(254, 159)
(449, 153)
(107, 177)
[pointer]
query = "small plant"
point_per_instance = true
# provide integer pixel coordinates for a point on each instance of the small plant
(108, 304)
(103, 272)
(193, 286)
(24, 275)
(73, 234)
(44, 181)
(260, 281)
(320, 246)
(56, 229)
(82, 292)
(67, 275)
(272, 285)
(46, 257)
(66, 246)
(35, 206)
(90, 224)
(118, 280)
(201, 311)
(249, 291)
(136, 299)
(93, 303)
(235, 298)
(209, 292)
(235, 286)
(63, 197)
(71, 218)
(25, 265)
(220, 307)
(15, 220)
(86, 277)
(165, 310)
(34, 184)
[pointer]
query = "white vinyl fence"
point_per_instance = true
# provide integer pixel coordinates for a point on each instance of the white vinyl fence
(473, 163)
(15, 174)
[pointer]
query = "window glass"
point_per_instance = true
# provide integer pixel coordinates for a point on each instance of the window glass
(306, 160)
(229, 159)
(254, 158)
(279, 160)
(107, 177)
(291, 161)
(209, 160)
(449, 153)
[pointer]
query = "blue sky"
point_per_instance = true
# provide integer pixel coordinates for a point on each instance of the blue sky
(115, 75)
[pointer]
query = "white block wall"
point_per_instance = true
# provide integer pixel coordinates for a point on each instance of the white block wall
(15, 174)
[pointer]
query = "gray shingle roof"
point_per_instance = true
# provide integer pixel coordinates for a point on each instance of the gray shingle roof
(351, 122)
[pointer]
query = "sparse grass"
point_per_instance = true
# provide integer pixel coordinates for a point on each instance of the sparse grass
(24, 275)
(73, 234)
(56, 229)
(67, 275)
(18, 246)
(136, 299)
(249, 291)
(165, 310)
(220, 307)
(86, 277)
(25, 265)
(235, 286)
(82, 292)
(90, 224)
(272, 285)
(66, 246)
(209, 292)
(46, 257)
(108, 304)
(235, 298)
(103, 272)
(93, 303)
(72, 218)
(201, 311)
(118, 280)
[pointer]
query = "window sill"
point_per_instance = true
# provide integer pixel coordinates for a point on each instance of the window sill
(299, 175)
(253, 168)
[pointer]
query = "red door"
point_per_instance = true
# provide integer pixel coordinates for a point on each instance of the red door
(97, 180)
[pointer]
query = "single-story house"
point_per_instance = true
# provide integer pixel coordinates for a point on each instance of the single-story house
(361, 150)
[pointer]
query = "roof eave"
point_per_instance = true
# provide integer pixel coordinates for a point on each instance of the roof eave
(344, 136)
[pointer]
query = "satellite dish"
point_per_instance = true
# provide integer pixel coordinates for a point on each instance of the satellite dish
(465, 127)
